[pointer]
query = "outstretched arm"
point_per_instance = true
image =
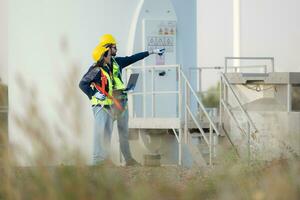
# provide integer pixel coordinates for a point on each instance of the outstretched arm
(128, 60)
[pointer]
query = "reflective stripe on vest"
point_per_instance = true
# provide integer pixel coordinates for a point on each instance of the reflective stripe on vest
(106, 100)
(118, 83)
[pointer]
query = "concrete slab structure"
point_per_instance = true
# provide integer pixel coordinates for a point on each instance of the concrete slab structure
(267, 98)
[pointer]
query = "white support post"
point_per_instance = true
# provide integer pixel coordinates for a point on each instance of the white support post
(248, 142)
(199, 80)
(180, 99)
(188, 102)
(153, 94)
(144, 93)
(266, 70)
(210, 144)
(289, 92)
(273, 64)
(180, 147)
(179, 116)
(185, 115)
(220, 106)
(225, 93)
(215, 139)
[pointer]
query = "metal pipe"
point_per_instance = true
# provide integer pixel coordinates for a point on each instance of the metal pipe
(210, 145)
(220, 103)
(177, 138)
(153, 66)
(273, 64)
(265, 69)
(248, 136)
(180, 147)
(199, 79)
(153, 109)
(144, 91)
(289, 91)
(155, 92)
(179, 116)
(188, 100)
(250, 58)
(185, 115)
(179, 94)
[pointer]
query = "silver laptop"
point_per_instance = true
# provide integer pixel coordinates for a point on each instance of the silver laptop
(131, 82)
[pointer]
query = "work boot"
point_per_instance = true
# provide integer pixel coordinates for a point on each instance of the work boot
(132, 162)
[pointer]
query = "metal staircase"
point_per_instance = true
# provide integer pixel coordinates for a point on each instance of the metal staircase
(207, 138)
(239, 115)
(181, 123)
(187, 101)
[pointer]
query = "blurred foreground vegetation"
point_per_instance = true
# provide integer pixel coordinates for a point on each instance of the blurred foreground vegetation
(274, 180)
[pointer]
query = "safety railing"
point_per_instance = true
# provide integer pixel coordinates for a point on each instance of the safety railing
(153, 92)
(271, 59)
(199, 71)
(183, 106)
(188, 90)
(251, 129)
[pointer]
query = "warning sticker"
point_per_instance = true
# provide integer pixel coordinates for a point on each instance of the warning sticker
(160, 34)
(158, 42)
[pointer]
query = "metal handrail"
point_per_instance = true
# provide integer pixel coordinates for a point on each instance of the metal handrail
(229, 67)
(198, 125)
(223, 76)
(152, 66)
(153, 93)
(212, 126)
(182, 80)
(249, 58)
(200, 103)
(235, 68)
(232, 116)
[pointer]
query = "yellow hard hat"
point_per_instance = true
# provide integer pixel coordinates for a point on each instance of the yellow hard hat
(107, 39)
(99, 52)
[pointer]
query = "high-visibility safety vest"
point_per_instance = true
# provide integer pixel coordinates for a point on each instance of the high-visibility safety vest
(106, 81)
(118, 83)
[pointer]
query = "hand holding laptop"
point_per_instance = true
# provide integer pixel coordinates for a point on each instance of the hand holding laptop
(131, 82)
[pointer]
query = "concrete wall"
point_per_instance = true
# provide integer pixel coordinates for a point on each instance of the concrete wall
(278, 136)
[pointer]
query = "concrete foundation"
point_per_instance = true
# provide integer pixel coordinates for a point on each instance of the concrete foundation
(271, 101)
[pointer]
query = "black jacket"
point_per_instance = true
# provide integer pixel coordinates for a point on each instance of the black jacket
(94, 74)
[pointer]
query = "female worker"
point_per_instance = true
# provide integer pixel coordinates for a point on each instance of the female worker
(97, 84)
